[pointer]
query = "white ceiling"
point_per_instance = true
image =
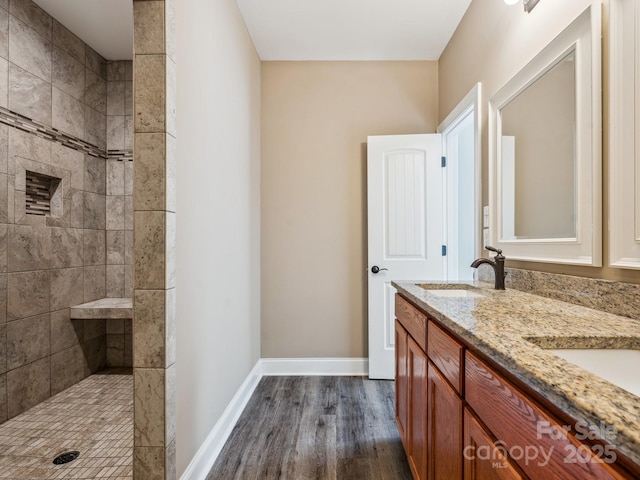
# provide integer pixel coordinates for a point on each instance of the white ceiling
(106, 26)
(351, 29)
(292, 29)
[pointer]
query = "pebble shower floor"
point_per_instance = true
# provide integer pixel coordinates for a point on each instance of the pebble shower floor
(95, 417)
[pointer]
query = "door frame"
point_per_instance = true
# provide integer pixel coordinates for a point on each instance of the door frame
(470, 103)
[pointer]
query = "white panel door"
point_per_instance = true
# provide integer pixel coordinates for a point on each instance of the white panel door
(405, 230)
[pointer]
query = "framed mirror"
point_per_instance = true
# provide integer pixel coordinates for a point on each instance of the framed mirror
(624, 140)
(545, 159)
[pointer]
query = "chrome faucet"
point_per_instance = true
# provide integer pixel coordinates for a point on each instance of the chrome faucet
(497, 263)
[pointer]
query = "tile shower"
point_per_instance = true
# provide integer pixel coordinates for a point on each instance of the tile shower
(66, 213)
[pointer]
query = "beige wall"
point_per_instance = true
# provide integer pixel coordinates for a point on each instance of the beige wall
(315, 120)
(218, 215)
(492, 43)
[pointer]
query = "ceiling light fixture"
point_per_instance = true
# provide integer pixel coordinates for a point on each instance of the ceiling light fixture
(528, 4)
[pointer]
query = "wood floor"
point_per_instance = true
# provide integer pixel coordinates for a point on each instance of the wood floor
(302, 428)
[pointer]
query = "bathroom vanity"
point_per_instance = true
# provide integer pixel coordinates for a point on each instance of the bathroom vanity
(481, 392)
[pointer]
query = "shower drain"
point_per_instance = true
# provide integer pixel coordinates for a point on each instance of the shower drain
(66, 457)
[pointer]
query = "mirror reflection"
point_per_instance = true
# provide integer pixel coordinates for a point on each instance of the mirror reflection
(537, 158)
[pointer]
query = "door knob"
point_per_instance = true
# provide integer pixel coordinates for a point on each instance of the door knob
(376, 269)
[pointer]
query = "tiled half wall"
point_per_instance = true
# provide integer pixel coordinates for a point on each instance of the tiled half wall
(63, 114)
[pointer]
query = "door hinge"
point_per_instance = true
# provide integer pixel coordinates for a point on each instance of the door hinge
(444, 250)
(443, 161)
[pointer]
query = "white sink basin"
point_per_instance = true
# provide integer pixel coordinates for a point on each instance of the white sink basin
(455, 292)
(618, 366)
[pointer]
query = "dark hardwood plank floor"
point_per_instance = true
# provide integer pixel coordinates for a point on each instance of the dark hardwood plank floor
(301, 428)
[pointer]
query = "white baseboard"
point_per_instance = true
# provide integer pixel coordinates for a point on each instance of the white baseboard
(206, 456)
(208, 453)
(315, 366)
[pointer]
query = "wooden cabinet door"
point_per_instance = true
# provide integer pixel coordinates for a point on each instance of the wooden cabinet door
(402, 383)
(445, 428)
(417, 363)
(482, 460)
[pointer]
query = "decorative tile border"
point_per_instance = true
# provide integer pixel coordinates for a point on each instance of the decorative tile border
(27, 125)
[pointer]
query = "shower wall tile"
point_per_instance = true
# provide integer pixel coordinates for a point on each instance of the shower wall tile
(67, 367)
(149, 94)
(3, 398)
(3, 300)
(149, 391)
(95, 124)
(94, 329)
(149, 178)
(128, 178)
(115, 350)
(4, 83)
(4, 236)
(68, 42)
(115, 132)
(115, 177)
(149, 27)
(128, 98)
(128, 212)
(94, 211)
(94, 247)
(95, 354)
(29, 95)
(95, 175)
(33, 15)
(27, 294)
(67, 286)
(24, 145)
(27, 386)
(115, 71)
(65, 332)
(4, 149)
(29, 248)
(149, 249)
(28, 340)
(148, 462)
(71, 160)
(115, 326)
(115, 247)
(95, 62)
(4, 33)
(77, 208)
(94, 283)
(67, 74)
(149, 334)
(3, 348)
(66, 247)
(29, 50)
(115, 98)
(67, 113)
(115, 281)
(170, 28)
(115, 212)
(4, 198)
(95, 93)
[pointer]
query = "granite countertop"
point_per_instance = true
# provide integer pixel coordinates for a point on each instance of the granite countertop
(510, 327)
(106, 308)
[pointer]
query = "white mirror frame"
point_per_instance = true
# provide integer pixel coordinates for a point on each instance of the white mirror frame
(624, 131)
(583, 36)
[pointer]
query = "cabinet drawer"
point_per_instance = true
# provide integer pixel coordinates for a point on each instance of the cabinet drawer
(414, 321)
(523, 427)
(446, 354)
